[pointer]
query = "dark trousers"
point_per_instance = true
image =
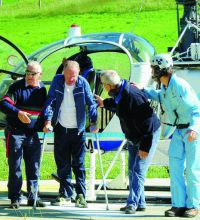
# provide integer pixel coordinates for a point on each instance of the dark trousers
(27, 147)
(69, 152)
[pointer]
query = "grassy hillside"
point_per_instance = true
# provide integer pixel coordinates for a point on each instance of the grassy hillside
(30, 8)
(22, 22)
(32, 33)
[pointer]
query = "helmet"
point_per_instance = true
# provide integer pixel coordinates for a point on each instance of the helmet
(163, 61)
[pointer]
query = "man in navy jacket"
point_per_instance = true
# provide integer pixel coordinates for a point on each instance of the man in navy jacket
(22, 105)
(65, 110)
(141, 128)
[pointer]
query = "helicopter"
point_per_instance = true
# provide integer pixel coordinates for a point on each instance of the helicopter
(127, 53)
(94, 52)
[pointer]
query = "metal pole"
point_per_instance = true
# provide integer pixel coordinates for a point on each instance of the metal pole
(112, 163)
(41, 158)
(40, 3)
(197, 22)
(179, 39)
(1, 2)
(102, 172)
(178, 19)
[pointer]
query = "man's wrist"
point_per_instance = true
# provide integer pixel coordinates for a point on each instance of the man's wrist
(93, 127)
(93, 123)
(47, 123)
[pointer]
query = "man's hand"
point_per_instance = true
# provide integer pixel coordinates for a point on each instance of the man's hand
(48, 127)
(99, 100)
(94, 128)
(192, 135)
(24, 117)
(143, 154)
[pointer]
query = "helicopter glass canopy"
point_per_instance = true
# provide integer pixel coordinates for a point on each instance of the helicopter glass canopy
(138, 48)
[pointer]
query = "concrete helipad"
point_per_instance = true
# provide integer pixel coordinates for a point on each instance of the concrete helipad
(95, 211)
(157, 201)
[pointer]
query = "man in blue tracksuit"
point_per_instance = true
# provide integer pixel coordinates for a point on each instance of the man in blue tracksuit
(23, 104)
(140, 126)
(65, 110)
(182, 107)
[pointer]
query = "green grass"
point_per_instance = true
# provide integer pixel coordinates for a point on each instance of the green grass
(30, 8)
(31, 34)
(28, 33)
(48, 166)
(22, 19)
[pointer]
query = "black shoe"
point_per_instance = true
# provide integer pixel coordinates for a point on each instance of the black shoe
(39, 203)
(14, 204)
(130, 210)
(174, 211)
(190, 213)
(123, 208)
(140, 209)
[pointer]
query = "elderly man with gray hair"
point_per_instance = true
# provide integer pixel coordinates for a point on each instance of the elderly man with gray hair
(65, 110)
(141, 127)
(23, 104)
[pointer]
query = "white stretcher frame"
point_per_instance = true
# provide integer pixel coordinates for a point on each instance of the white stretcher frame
(91, 195)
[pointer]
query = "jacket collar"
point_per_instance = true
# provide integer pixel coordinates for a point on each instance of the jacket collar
(119, 95)
(171, 83)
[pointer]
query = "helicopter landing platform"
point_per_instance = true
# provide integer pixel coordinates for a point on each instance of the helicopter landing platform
(157, 202)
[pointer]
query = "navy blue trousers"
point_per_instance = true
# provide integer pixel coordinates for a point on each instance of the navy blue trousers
(27, 147)
(69, 152)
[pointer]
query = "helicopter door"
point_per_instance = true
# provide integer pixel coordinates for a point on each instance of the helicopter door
(12, 65)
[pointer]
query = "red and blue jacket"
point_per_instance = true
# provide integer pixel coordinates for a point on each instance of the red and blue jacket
(25, 98)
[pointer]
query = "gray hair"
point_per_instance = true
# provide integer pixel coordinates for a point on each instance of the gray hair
(71, 63)
(36, 64)
(110, 77)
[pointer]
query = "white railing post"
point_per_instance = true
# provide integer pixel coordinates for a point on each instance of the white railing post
(90, 192)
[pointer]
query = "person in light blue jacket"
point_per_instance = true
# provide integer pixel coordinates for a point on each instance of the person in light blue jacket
(65, 111)
(182, 107)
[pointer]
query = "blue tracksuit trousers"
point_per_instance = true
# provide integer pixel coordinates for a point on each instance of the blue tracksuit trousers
(69, 152)
(184, 162)
(27, 147)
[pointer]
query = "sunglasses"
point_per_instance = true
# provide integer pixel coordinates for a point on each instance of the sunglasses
(30, 73)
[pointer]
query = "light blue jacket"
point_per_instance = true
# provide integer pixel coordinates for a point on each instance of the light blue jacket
(180, 97)
(82, 97)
